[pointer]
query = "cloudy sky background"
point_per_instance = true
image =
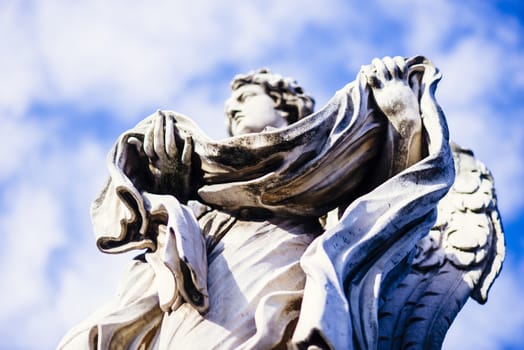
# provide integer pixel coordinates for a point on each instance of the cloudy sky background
(74, 75)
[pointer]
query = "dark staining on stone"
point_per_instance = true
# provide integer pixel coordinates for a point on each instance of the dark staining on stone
(395, 108)
(196, 297)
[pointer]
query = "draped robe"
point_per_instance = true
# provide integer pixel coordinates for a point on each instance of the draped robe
(255, 270)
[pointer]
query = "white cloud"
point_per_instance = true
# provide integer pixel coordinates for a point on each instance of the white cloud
(19, 63)
(19, 139)
(127, 57)
(51, 265)
(427, 24)
(31, 229)
(207, 113)
(471, 72)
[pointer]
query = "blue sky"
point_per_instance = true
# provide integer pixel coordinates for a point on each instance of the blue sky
(74, 75)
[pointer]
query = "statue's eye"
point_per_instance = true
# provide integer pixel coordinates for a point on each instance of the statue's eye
(245, 95)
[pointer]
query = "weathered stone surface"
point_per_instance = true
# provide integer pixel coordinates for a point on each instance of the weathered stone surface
(238, 250)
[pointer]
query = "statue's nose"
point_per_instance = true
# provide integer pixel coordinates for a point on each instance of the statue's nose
(233, 113)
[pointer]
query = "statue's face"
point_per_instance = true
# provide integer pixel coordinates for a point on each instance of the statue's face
(250, 109)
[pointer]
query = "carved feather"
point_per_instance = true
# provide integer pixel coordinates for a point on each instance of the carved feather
(460, 258)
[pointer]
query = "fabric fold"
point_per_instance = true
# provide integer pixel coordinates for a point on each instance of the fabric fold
(323, 161)
(347, 264)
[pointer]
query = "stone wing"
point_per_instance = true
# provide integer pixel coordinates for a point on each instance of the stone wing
(460, 258)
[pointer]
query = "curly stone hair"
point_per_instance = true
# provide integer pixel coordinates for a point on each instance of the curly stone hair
(286, 93)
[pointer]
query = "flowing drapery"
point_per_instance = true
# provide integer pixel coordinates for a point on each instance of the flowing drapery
(304, 170)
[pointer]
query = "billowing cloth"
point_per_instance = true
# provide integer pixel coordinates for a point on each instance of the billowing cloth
(286, 172)
(255, 286)
(346, 266)
(295, 173)
(373, 240)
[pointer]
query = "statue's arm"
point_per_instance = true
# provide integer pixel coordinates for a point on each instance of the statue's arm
(395, 96)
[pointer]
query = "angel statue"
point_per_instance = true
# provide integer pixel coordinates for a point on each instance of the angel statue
(344, 228)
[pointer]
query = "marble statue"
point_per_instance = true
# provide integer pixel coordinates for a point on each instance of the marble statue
(359, 226)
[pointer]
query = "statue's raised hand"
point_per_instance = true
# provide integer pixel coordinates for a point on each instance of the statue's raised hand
(398, 101)
(172, 171)
(388, 80)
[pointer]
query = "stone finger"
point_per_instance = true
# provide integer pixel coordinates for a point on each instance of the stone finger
(187, 151)
(171, 148)
(149, 149)
(392, 67)
(366, 69)
(401, 64)
(381, 70)
(158, 141)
